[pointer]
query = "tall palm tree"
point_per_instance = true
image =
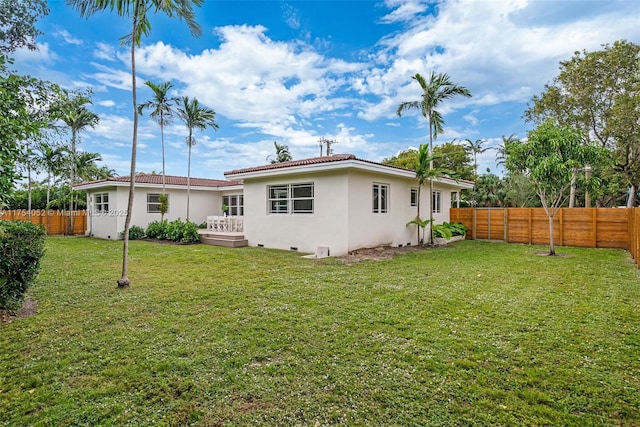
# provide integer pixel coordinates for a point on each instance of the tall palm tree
(161, 107)
(438, 89)
(194, 116)
(137, 11)
(52, 159)
(77, 117)
(476, 148)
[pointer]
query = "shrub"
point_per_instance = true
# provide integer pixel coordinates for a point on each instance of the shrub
(441, 230)
(175, 230)
(457, 229)
(136, 232)
(190, 232)
(21, 248)
(447, 230)
(157, 229)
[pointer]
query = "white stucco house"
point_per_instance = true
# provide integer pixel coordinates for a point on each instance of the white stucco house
(107, 201)
(337, 202)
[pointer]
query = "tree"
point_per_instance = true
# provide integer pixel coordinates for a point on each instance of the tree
(476, 148)
(194, 116)
(17, 23)
(52, 160)
(438, 89)
(282, 153)
(489, 190)
(548, 159)
(77, 117)
(454, 159)
(404, 159)
(161, 107)
(137, 11)
(597, 93)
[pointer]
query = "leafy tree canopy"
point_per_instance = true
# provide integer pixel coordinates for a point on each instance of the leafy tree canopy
(599, 94)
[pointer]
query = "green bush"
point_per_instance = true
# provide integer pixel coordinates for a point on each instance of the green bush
(457, 229)
(21, 248)
(447, 230)
(175, 230)
(441, 230)
(136, 232)
(157, 230)
(190, 232)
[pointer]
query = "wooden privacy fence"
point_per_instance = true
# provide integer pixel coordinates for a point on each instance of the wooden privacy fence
(54, 221)
(585, 227)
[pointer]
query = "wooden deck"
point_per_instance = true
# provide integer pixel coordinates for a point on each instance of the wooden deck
(228, 239)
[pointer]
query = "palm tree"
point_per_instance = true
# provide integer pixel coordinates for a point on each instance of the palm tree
(282, 153)
(194, 116)
(501, 149)
(439, 88)
(476, 148)
(52, 159)
(137, 11)
(162, 112)
(422, 173)
(77, 117)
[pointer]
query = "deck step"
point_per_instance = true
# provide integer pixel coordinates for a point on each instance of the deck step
(229, 241)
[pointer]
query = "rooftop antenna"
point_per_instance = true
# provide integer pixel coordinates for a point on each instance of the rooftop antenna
(329, 143)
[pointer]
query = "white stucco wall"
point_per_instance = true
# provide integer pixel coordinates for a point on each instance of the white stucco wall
(327, 226)
(343, 217)
(109, 225)
(368, 229)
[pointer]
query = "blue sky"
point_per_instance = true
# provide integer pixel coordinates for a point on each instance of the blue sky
(296, 71)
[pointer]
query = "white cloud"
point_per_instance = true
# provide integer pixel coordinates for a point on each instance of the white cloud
(42, 56)
(105, 52)
(106, 103)
(67, 37)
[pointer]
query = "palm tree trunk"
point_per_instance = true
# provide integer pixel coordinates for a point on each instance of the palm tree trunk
(124, 281)
(28, 186)
(164, 192)
(189, 175)
(48, 199)
(430, 179)
(418, 215)
(73, 178)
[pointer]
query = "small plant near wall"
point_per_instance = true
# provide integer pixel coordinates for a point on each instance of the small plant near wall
(136, 232)
(448, 231)
(225, 209)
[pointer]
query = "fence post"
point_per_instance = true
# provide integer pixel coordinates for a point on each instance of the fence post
(561, 239)
(594, 226)
(529, 230)
(474, 224)
(504, 224)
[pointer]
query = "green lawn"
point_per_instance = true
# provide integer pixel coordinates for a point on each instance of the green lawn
(473, 334)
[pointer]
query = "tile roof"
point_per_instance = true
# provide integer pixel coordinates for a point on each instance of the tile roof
(321, 160)
(145, 178)
(294, 163)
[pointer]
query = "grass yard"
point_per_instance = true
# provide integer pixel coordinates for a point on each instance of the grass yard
(473, 334)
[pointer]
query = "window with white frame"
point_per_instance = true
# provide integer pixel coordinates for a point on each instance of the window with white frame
(380, 198)
(436, 202)
(235, 204)
(101, 202)
(153, 202)
(414, 197)
(290, 198)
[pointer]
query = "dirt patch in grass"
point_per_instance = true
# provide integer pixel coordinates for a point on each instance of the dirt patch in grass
(29, 308)
(378, 253)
